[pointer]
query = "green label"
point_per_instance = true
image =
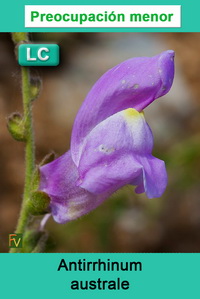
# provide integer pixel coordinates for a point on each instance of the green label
(38, 55)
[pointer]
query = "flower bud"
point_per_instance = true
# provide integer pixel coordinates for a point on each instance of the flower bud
(19, 36)
(35, 87)
(16, 127)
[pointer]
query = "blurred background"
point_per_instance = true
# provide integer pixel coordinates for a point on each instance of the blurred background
(126, 222)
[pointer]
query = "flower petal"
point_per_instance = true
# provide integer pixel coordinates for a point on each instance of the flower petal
(154, 177)
(118, 152)
(68, 201)
(134, 83)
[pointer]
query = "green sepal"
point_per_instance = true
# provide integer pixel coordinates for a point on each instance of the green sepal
(36, 174)
(30, 239)
(35, 179)
(38, 203)
(48, 158)
(41, 244)
(16, 127)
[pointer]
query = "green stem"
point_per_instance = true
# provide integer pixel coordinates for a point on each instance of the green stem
(30, 153)
(29, 148)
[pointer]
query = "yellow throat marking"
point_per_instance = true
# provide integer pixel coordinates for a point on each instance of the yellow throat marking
(131, 114)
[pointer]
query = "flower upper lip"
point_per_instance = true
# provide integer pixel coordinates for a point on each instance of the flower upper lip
(114, 92)
(166, 62)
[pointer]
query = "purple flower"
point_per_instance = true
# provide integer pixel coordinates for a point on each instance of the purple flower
(111, 143)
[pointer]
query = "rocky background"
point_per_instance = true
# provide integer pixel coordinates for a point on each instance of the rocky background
(126, 222)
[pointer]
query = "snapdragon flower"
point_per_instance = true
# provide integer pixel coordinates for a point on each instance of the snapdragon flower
(111, 143)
